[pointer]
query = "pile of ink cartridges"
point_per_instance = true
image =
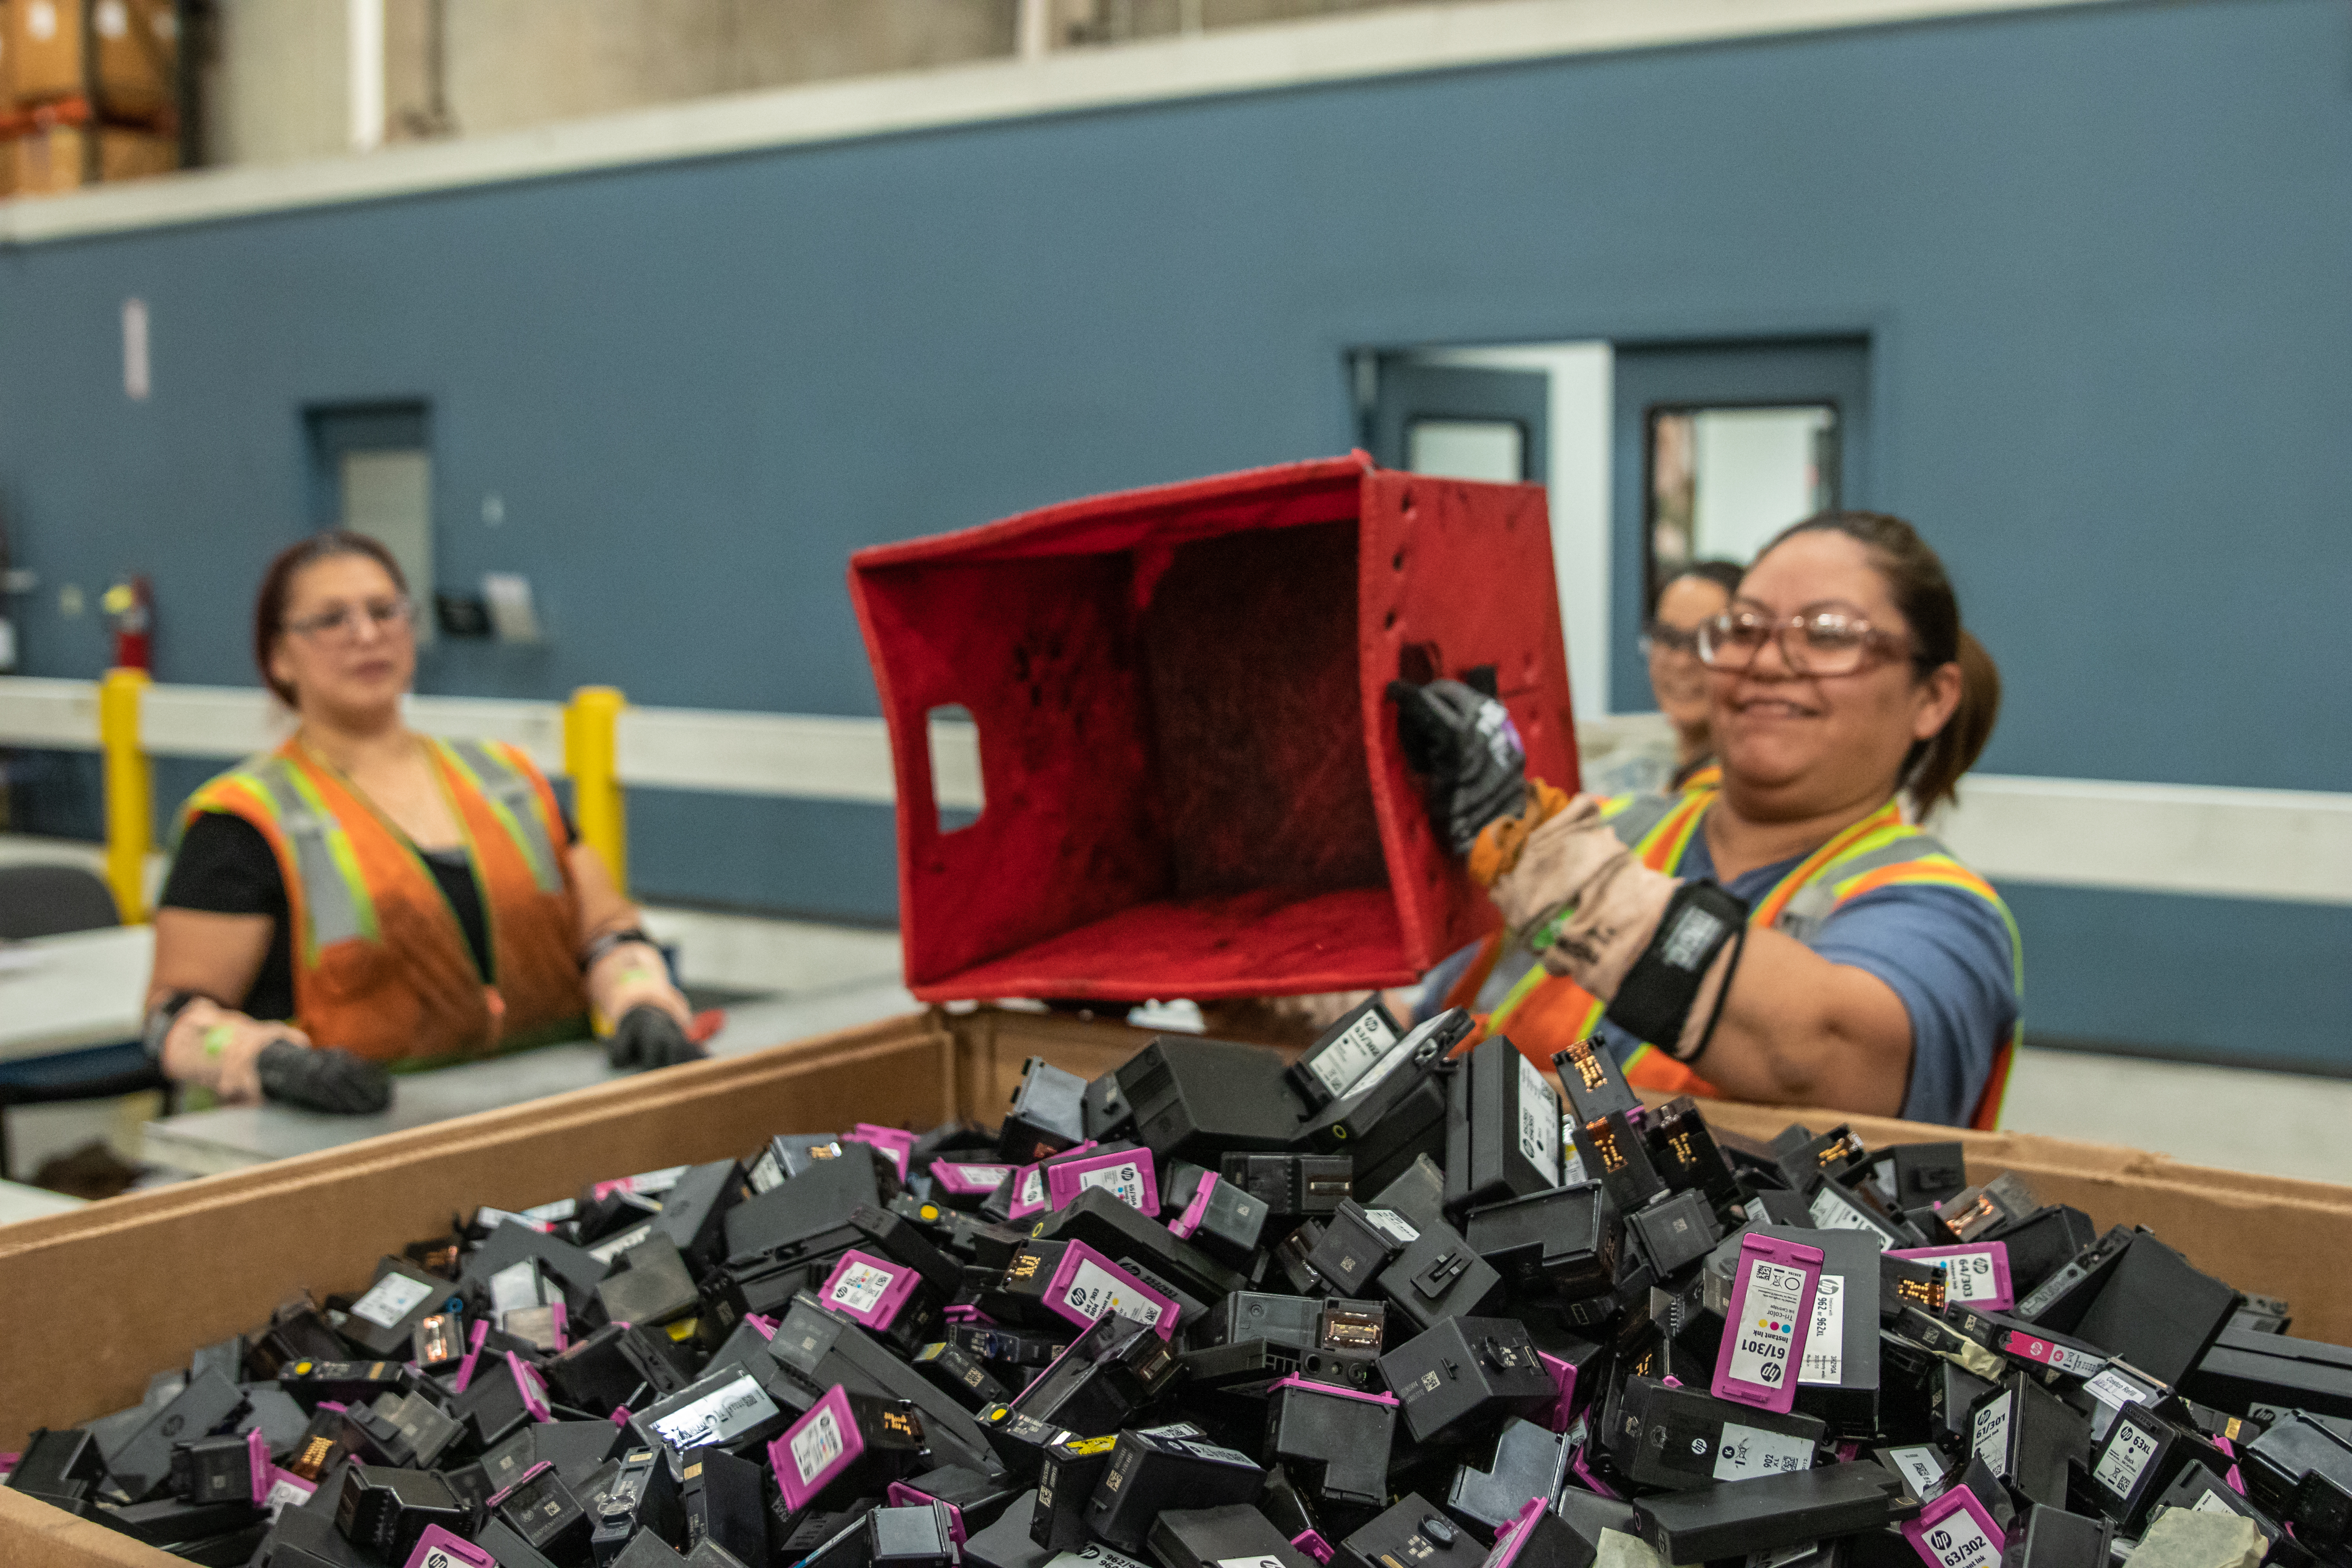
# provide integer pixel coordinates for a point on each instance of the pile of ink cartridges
(1389, 1306)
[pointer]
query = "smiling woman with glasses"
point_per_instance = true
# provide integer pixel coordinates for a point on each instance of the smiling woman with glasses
(365, 897)
(1785, 931)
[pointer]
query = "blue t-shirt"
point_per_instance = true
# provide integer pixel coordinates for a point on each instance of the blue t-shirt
(1946, 953)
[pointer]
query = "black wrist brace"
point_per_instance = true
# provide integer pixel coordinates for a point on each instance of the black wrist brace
(1659, 991)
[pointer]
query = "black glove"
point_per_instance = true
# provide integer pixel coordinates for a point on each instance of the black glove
(334, 1081)
(1467, 750)
(649, 1037)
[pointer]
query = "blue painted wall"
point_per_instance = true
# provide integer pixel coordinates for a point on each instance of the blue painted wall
(2102, 256)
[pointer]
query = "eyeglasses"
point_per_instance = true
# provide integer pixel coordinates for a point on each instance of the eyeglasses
(1658, 637)
(342, 622)
(1820, 639)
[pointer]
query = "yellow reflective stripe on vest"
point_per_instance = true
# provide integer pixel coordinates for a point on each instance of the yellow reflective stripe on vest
(1632, 817)
(514, 800)
(1848, 840)
(1937, 868)
(1893, 844)
(1657, 827)
(336, 903)
(1519, 993)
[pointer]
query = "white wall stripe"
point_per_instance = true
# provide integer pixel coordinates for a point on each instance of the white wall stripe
(363, 23)
(1398, 41)
(2288, 846)
(2293, 846)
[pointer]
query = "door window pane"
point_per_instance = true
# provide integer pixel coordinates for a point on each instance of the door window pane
(388, 496)
(1723, 481)
(1467, 448)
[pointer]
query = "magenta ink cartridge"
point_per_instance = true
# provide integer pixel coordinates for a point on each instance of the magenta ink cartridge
(1126, 1175)
(1976, 1274)
(1956, 1531)
(884, 1295)
(438, 1548)
(846, 1440)
(1771, 1307)
(1071, 1281)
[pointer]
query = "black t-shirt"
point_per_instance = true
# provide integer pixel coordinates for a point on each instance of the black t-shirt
(225, 867)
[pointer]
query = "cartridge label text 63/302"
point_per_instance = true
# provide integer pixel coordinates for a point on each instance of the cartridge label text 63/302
(1957, 1541)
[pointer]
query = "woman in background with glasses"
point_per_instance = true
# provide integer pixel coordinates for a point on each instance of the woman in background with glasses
(1691, 598)
(364, 896)
(1788, 933)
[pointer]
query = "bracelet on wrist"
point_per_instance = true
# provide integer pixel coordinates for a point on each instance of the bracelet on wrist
(599, 946)
(161, 1019)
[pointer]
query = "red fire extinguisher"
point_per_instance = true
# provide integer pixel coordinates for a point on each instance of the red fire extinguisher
(130, 610)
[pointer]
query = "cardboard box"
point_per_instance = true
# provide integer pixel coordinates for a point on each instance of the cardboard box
(137, 54)
(1159, 679)
(94, 1304)
(54, 160)
(99, 1299)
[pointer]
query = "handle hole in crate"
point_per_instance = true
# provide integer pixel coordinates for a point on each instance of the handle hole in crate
(958, 793)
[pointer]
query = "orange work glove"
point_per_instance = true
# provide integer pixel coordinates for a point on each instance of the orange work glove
(1497, 848)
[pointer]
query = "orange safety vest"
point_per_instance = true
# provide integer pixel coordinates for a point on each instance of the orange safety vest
(382, 968)
(1545, 1014)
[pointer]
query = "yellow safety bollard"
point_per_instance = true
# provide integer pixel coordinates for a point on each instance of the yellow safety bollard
(592, 721)
(130, 792)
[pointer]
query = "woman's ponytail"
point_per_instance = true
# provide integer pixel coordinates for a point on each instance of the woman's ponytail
(1934, 775)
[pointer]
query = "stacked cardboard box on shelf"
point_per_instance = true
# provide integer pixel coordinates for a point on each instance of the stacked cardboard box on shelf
(91, 93)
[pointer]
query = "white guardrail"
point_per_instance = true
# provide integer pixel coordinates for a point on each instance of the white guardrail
(2289, 845)
(804, 756)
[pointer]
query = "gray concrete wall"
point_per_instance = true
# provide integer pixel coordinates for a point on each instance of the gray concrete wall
(276, 82)
(415, 74)
(277, 77)
(524, 63)
(1081, 22)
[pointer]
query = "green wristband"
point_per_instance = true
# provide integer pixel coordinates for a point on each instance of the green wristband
(217, 1038)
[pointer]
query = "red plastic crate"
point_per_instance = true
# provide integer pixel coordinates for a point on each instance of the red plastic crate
(1191, 765)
